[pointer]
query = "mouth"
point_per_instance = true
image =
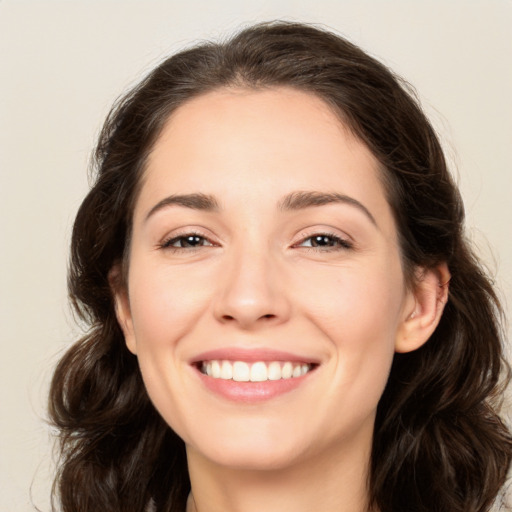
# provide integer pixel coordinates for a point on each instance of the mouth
(252, 376)
(258, 371)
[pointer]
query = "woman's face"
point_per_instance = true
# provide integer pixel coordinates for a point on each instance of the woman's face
(264, 248)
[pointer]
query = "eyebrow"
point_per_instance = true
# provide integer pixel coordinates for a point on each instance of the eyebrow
(198, 201)
(294, 201)
(300, 200)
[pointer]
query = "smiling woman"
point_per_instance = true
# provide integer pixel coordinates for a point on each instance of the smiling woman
(284, 312)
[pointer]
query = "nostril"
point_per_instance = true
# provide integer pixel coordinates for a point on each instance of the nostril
(268, 316)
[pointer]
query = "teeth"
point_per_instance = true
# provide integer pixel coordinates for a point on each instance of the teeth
(287, 371)
(297, 371)
(260, 371)
(215, 369)
(241, 372)
(226, 371)
(274, 371)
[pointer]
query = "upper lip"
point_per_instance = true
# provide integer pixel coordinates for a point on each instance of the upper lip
(252, 355)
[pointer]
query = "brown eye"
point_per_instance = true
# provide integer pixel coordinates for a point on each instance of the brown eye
(325, 241)
(189, 241)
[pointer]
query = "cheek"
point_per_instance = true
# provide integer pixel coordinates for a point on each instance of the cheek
(166, 306)
(358, 312)
(165, 303)
(358, 299)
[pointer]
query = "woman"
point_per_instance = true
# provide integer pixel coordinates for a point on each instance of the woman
(284, 313)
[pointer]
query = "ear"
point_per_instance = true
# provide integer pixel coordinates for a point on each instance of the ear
(122, 305)
(423, 308)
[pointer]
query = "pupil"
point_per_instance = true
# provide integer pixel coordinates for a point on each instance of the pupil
(192, 240)
(321, 240)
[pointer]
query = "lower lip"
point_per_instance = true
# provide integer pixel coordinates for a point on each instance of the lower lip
(251, 392)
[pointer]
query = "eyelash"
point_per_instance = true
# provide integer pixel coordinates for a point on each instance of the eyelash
(337, 243)
(167, 244)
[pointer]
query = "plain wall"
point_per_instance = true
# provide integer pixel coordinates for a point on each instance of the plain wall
(62, 65)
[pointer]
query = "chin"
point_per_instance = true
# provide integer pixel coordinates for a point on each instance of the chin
(252, 452)
(254, 458)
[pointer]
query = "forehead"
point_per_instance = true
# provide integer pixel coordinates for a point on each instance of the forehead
(246, 144)
(279, 117)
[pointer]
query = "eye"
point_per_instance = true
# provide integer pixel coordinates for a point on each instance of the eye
(186, 241)
(325, 241)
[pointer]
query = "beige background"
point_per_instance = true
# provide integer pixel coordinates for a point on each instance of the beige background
(62, 65)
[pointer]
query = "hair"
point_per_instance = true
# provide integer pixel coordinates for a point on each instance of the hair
(439, 443)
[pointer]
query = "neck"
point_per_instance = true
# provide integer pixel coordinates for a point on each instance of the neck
(327, 484)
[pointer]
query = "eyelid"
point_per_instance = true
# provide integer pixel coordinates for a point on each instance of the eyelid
(185, 232)
(345, 241)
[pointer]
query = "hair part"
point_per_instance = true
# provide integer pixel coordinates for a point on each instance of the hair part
(439, 443)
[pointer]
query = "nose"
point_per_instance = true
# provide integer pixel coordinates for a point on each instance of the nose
(252, 292)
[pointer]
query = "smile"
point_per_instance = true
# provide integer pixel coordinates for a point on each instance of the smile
(259, 371)
(251, 376)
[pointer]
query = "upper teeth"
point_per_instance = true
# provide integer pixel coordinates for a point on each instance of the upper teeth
(256, 372)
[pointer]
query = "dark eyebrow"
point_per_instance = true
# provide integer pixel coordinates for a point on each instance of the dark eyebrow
(294, 201)
(195, 201)
(300, 200)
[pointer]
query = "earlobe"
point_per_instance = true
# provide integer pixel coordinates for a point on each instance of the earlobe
(122, 307)
(424, 308)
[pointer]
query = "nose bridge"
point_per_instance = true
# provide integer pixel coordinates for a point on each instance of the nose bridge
(251, 290)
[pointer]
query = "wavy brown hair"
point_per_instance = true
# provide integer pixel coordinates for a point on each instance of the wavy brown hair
(439, 443)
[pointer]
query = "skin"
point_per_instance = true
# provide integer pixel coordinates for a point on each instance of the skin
(253, 281)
